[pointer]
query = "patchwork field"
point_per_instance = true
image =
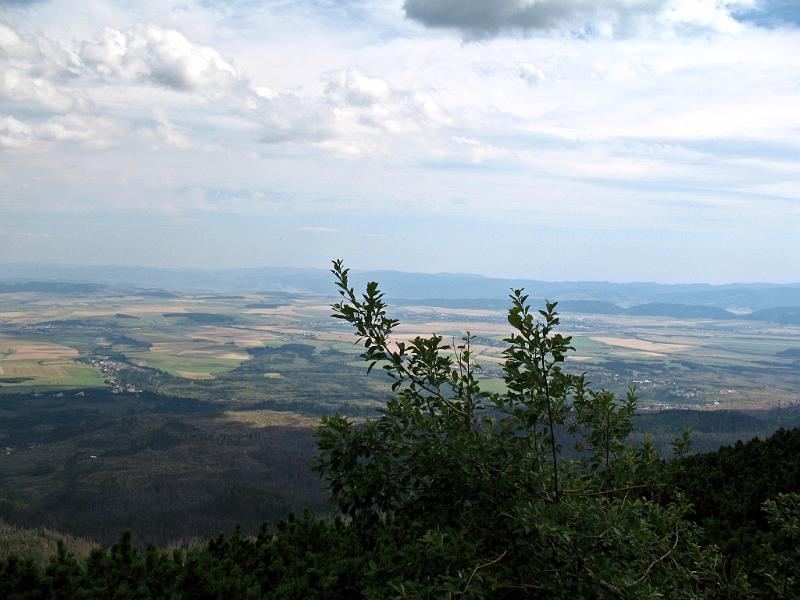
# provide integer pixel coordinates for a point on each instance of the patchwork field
(643, 347)
(28, 364)
(189, 359)
(126, 408)
(208, 346)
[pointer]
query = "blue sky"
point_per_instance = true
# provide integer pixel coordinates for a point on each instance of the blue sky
(555, 139)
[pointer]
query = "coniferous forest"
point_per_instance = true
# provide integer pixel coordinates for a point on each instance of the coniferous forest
(455, 492)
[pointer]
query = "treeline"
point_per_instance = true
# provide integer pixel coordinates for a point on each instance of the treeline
(727, 490)
(312, 557)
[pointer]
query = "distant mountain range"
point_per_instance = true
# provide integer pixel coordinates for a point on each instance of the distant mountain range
(774, 302)
(785, 315)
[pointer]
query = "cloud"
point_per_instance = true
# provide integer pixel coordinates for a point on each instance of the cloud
(11, 44)
(19, 87)
(353, 88)
(288, 117)
(164, 57)
(92, 131)
(164, 133)
(355, 114)
(364, 106)
(531, 74)
(480, 19)
(39, 55)
(89, 131)
(314, 229)
(32, 71)
(220, 199)
(348, 112)
(14, 133)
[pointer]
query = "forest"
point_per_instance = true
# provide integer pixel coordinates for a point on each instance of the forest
(538, 491)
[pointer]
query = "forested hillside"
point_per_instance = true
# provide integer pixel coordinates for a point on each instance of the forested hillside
(311, 557)
(727, 490)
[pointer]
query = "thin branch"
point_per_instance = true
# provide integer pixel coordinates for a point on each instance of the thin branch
(656, 561)
(615, 490)
(483, 566)
(611, 588)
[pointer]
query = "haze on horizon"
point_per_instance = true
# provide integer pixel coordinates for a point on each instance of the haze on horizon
(619, 140)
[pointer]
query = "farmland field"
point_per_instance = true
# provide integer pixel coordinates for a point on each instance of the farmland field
(34, 364)
(227, 348)
(121, 408)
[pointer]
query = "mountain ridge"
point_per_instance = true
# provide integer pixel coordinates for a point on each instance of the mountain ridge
(410, 285)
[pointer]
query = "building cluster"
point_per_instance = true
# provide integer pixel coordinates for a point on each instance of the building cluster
(111, 370)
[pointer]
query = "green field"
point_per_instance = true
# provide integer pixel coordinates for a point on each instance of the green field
(198, 365)
(31, 364)
(201, 346)
(34, 375)
(493, 385)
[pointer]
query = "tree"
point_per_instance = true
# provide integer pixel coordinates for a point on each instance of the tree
(468, 493)
(782, 548)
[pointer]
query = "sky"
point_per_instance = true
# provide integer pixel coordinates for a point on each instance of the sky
(619, 140)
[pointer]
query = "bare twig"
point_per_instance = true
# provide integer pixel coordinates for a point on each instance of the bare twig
(615, 490)
(482, 566)
(656, 561)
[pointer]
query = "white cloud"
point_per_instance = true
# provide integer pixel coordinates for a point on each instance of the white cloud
(164, 134)
(289, 117)
(41, 55)
(92, 131)
(355, 114)
(160, 56)
(14, 133)
(11, 44)
(531, 74)
(320, 229)
(353, 88)
(18, 86)
(709, 15)
(32, 70)
(50, 89)
(367, 111)
(86, 130)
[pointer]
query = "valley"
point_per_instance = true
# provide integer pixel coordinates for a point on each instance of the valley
(182, 413)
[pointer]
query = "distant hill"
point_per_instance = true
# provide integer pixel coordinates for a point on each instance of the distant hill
(467, 290)
(783, 315)
(681, 311)
(49, 287)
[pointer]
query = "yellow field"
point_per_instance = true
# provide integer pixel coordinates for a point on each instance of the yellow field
(251, 337)
(269, 418)
(19, 350)
(643, 345)
(12, 314)
(38, 363)
(477, 327)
